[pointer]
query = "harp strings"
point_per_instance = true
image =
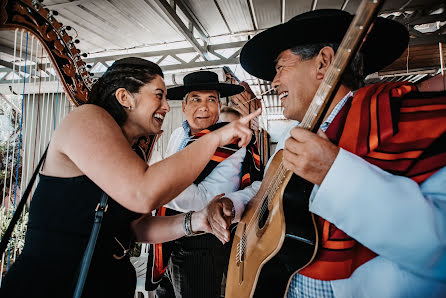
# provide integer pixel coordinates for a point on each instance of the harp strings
(31, 110)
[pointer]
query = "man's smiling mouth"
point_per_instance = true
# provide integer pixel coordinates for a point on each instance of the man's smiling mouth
(283, 95)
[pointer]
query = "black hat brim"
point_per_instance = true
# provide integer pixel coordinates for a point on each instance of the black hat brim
(224, 89)
(385, 43)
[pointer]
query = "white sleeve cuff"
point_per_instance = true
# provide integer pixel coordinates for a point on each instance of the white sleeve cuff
(242, 197)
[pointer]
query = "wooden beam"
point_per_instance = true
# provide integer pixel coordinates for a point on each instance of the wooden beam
(194, 20)
(181, 27)
(428, 39)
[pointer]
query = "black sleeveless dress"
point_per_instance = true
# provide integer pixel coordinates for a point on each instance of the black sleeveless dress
(60, 222)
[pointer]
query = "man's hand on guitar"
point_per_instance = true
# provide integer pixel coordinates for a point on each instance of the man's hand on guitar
(309, 155)
(220, 217)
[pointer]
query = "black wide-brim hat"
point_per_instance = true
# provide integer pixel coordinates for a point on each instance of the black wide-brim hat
(385, 43)
(203, 80)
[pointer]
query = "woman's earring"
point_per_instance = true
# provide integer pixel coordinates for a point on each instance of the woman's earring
(129, 107)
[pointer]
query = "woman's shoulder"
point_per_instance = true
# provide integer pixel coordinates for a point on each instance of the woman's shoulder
(87, 110)
(84, 122)
(87, 115)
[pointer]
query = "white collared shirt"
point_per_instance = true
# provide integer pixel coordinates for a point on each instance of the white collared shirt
(225, 178)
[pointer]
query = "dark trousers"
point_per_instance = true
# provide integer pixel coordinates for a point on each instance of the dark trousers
(196, 269)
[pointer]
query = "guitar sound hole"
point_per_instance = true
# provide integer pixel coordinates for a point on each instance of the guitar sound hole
(264, 217)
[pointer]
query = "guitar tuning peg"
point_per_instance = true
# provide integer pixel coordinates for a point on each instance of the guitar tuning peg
(71, 43)
(84, 55)
(63, 29)
(88, 66)
(91, 74)
(51, 14)
(37, 5)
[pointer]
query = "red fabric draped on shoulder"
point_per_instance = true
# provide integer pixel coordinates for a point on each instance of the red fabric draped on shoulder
(396, 128)
(251, 170)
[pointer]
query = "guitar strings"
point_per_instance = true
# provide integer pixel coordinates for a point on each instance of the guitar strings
(262, 207)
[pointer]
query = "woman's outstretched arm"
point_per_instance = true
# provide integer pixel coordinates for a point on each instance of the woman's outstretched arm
(90, 142)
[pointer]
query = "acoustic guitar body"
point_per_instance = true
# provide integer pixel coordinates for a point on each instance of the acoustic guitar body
(276, 237)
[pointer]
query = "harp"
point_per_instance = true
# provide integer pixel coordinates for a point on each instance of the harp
(42, 79)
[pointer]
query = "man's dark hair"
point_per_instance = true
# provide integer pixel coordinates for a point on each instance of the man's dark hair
(128, 73)
(353, 76)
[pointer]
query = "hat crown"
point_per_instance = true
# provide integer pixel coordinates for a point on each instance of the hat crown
(203, 80)
(321, 13)
(384, 44)
(200, 77)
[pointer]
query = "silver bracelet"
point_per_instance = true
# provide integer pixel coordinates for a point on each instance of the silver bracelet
(187, 224)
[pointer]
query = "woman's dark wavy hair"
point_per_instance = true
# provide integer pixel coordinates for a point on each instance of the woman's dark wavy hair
(129, 73)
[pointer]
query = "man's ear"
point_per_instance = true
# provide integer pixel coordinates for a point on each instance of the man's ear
(324, 59)
(183, 104)
(219, 107)
(124, 98)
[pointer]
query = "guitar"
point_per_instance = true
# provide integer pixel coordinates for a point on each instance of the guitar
(277, 235)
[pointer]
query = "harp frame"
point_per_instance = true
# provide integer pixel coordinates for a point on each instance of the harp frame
(31, 16)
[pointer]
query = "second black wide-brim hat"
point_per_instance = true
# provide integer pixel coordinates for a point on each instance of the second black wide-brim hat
(385, 43)
(203, 80)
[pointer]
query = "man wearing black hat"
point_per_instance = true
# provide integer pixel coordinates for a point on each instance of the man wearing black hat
(379, 169)
(197, 264)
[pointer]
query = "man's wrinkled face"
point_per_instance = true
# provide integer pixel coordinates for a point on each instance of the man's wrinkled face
(202, 109)
(296, 83)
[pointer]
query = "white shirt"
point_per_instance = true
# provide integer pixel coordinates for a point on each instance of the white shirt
(225, 178)
(404, 223)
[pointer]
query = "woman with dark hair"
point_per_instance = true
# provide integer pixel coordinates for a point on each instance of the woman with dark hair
(90, 153)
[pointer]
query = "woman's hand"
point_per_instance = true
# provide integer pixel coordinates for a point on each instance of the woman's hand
(200, 222)
(219, 212)
(237, 130)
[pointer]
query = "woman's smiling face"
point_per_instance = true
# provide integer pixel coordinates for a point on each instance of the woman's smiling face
(150, 106)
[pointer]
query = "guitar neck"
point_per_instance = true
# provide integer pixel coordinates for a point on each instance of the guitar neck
(355, 35)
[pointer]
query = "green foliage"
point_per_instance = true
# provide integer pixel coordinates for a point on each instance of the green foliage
(17, 240)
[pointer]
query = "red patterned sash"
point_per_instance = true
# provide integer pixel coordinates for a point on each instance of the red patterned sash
(396, 128)
(251, 171)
